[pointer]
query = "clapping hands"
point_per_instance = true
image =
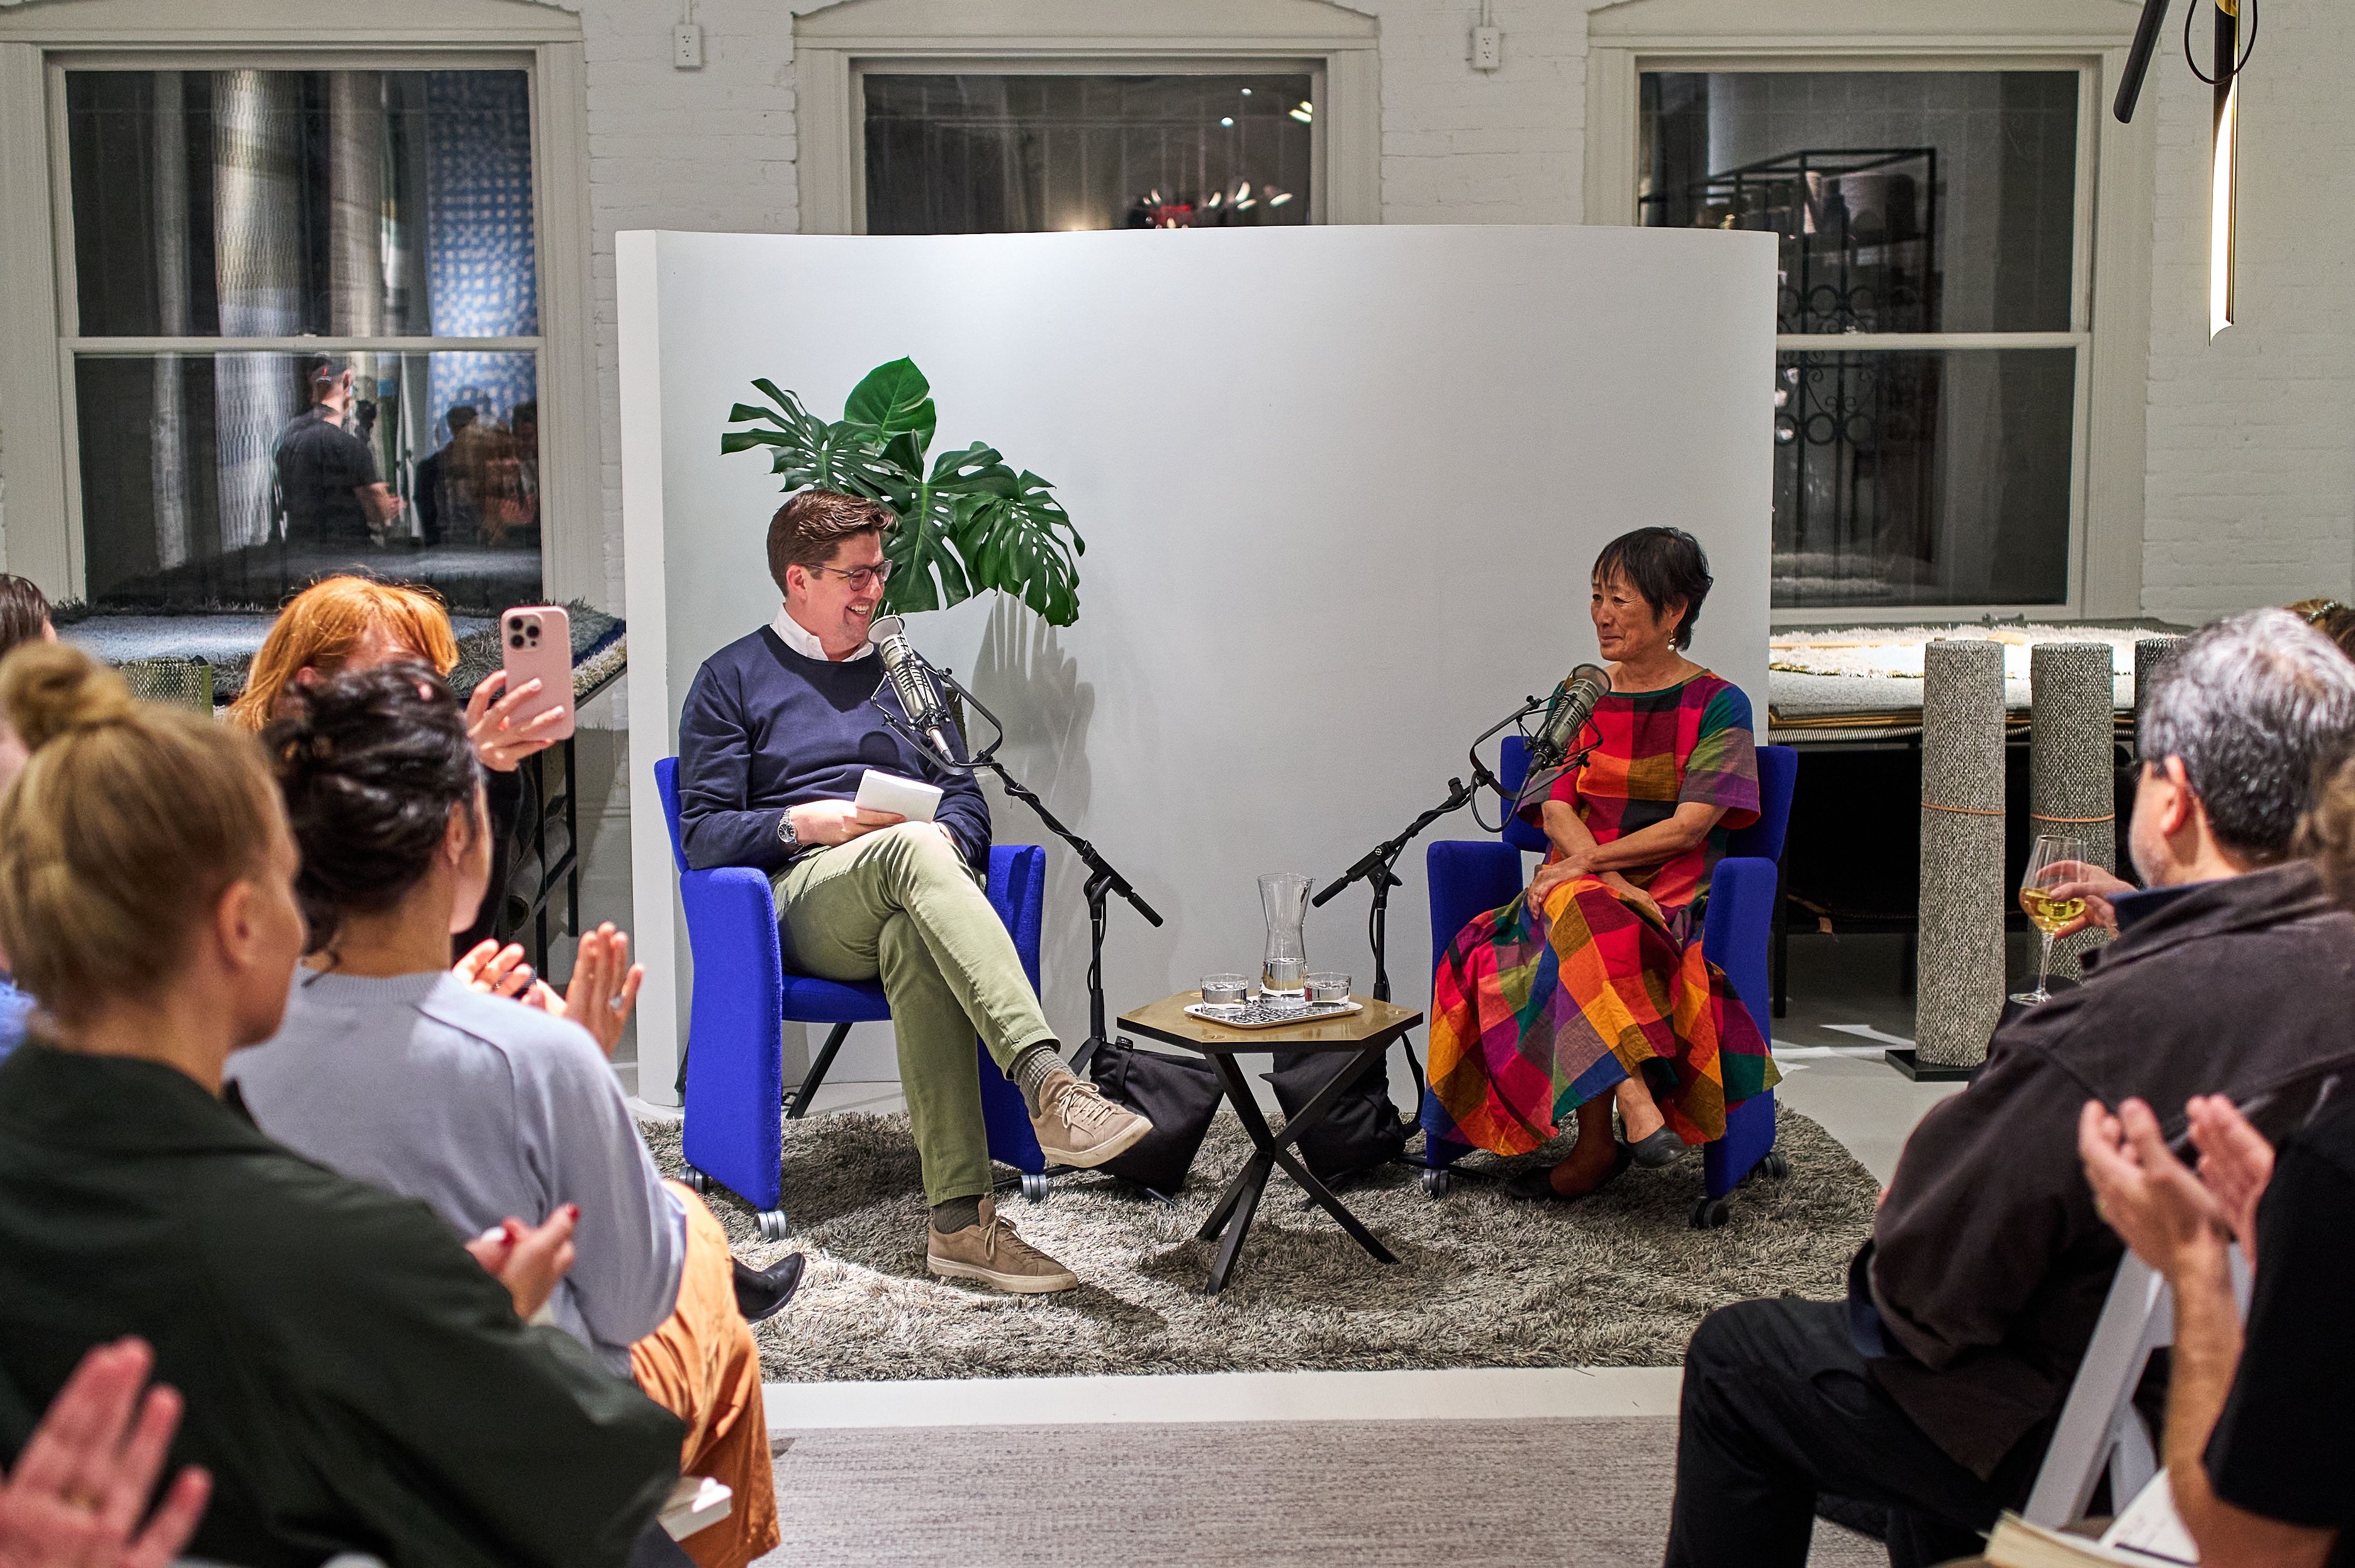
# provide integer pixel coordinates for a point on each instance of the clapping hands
(80, 1487)
(599, 997)
(529, 1259)
(2172, 1217)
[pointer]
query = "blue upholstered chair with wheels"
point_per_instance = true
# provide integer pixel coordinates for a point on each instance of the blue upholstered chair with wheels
(1469, 877)
(745, 994)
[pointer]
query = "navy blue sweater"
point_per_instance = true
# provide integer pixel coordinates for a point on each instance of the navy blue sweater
(766, 728)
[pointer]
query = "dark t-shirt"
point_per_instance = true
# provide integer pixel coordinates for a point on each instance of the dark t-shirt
(321, 470)
(2285, 1447)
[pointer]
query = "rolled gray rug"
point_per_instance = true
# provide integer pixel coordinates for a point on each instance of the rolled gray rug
(1964, 898)
(2152, 655)
(2071, 779)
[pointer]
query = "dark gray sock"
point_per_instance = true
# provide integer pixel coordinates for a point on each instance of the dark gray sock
(956, 1214)
(1031, 1070)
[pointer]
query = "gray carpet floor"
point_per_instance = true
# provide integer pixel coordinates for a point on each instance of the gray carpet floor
(1617, 1280)
(1407, 1494)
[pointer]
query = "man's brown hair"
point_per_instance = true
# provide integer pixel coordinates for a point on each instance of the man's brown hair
(809, 526)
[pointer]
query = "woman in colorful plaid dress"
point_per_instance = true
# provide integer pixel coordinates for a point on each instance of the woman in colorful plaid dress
(1591, 989)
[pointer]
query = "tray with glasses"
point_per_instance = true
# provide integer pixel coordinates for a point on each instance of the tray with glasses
(1264, 1011)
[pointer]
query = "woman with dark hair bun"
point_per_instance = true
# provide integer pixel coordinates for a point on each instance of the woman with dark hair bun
(509, 1109)
(1590, 987)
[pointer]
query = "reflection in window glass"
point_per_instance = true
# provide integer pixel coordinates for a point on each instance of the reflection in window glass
(1908, 201)
(266, 203)
(1922, 477)
(1000, 155)
(426, 471)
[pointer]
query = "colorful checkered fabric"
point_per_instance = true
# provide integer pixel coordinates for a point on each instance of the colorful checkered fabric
(1535, 1012)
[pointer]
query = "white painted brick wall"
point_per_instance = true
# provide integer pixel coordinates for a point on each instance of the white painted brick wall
(2250, 486)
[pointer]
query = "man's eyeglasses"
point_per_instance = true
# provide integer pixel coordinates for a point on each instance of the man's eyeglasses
(860, 578)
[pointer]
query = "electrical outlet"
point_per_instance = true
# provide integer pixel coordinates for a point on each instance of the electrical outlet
(687, 46)
(1488, 48)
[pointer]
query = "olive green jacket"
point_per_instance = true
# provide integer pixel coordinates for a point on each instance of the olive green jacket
(355, 1380)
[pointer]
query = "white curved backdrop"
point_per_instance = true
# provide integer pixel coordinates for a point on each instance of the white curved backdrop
(1341, 488)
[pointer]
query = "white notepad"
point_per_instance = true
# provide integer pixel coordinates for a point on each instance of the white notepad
(911, 798)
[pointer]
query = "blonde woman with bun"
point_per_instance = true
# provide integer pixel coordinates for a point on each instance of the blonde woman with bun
(24, 618)
(354, 1380)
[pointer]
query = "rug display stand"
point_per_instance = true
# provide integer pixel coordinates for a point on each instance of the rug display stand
(1960, 991)
(2072, 777)
(2152, 655)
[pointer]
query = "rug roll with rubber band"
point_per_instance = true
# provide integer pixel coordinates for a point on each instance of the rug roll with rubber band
(1961, 991)
(2152, 655)
(2071, 770)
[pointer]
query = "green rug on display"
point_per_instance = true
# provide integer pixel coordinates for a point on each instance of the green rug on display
(1481, 1280)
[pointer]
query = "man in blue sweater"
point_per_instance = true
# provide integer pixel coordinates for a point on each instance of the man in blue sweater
(777, 731)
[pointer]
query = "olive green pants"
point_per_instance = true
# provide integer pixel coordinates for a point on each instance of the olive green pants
(900, 905)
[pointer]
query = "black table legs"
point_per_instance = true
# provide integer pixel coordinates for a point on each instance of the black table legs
(1236, 1207)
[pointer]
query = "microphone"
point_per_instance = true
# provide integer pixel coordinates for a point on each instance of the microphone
(912, 682)
(1572, 705)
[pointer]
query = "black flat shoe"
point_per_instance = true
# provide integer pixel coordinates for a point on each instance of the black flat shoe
(1536, 1185)
(1663, 1147)
(763, 1292)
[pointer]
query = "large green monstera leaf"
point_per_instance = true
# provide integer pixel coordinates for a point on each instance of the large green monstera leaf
(968, 522)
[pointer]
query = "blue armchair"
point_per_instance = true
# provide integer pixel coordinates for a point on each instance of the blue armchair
(1468, 877)
(744, 995)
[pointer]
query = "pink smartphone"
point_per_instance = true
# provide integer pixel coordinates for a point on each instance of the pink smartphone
(539, 639)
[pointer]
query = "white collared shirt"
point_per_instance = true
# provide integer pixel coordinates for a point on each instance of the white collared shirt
(803, 641)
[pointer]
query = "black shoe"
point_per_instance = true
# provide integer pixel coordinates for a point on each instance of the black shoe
(763, 1292)
(1536, 1185)
(1663, 1147)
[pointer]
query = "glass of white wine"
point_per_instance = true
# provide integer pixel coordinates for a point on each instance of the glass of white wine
(2056, 858)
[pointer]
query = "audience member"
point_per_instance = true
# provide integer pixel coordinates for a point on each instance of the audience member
(353, 1379)
(2331, 618)
(1931, 1392)
(79, 1495)
(438, 505)
(357, 623)
(24, 618)
(328, 481)
(511, 1111)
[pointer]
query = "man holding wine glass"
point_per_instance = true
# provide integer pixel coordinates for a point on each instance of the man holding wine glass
(1933, 1390)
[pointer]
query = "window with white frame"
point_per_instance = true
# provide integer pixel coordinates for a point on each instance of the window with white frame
(1934, 318)
(240, 241)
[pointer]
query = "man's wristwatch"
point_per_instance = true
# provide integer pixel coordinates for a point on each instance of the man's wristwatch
(785, 834)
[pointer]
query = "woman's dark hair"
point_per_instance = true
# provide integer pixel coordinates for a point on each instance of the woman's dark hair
(370, 764)
(24, 611)
(1664, 565)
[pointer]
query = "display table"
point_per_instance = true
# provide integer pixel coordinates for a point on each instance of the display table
(1360, 1038)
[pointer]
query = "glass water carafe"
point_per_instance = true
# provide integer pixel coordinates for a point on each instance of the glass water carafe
(1284, 897)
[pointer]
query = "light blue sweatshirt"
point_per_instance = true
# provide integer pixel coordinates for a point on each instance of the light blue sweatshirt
(484, 1108)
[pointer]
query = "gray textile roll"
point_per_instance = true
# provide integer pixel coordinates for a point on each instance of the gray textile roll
(1961, 991)
(2071, 780)
(183, 682)
(2151, 655)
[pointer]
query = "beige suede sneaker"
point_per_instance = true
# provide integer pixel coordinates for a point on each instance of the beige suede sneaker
(990, 1252)
(1078, 1126)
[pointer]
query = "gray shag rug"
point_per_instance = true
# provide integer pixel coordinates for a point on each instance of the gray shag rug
(1481, 1281)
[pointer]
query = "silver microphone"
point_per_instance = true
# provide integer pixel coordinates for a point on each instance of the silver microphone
(1572, 705)
(912, 682)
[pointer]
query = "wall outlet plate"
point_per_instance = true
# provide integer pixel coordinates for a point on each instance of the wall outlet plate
(687, 46)
(1488, 48)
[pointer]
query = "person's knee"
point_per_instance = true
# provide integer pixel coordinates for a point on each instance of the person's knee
(1726, 1341)
(921, 849)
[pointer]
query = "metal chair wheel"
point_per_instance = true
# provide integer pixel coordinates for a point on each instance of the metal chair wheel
(1034, 1186)
(696, 1180)
(774, 1227)
(1774, 1166)
(1437, 1183)
(1711, 1214)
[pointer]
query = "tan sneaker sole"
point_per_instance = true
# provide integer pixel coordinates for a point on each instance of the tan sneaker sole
(1087, 1160)
(1018, 1283)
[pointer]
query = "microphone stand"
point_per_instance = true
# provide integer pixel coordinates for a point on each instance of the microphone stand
(1103, 880)
(1375, 867)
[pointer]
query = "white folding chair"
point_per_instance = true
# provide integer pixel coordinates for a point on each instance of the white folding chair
(2099, 1425)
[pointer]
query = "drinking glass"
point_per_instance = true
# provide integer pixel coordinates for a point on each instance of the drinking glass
(1328, 986)
(1284, 899)
(2053, 860)
(1222, 989)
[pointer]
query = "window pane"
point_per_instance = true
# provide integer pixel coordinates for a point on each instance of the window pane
(1908, 201)
(206, 484)
(268, 203)
(1002, 155)
(1924, 478)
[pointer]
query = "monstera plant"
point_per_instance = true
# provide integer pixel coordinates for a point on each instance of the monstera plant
(968, 521)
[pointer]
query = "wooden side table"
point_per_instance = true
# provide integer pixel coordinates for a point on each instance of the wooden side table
(1360, 1038)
